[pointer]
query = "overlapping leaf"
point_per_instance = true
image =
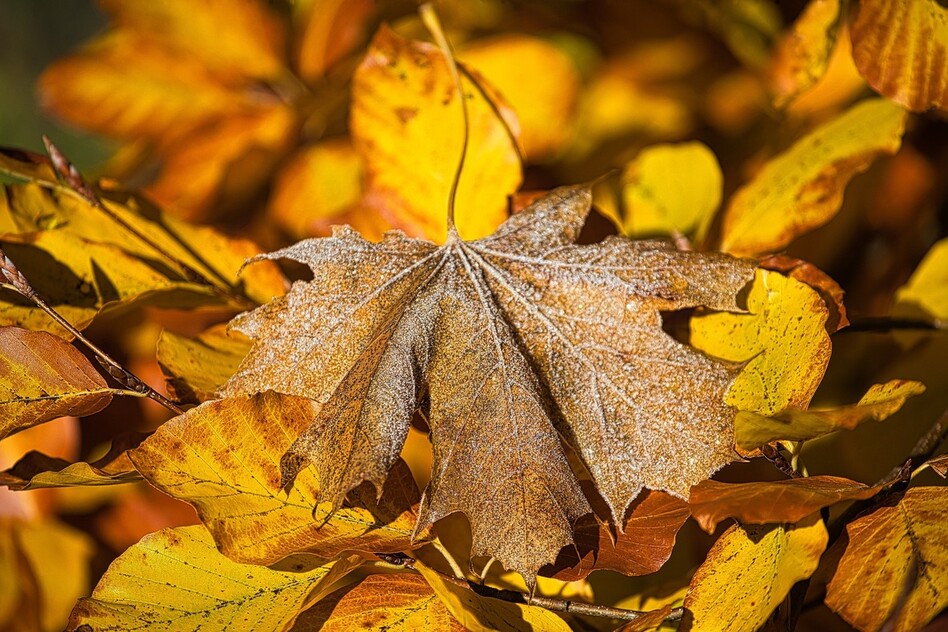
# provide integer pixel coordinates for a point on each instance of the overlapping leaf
(197, 367)
(901, 550)
(770, 502)
(752, 430)
(223, 457)
(43, 377)
(803, 53)
(513, 337)
(37, 470)
(768, 560)
(201, 587)
(802, 188)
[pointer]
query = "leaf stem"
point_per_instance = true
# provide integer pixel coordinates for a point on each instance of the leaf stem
(431, 21)
(119, 373)
(455, 567)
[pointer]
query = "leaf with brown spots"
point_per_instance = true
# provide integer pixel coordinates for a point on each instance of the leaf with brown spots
(516, 339)
(771, 502)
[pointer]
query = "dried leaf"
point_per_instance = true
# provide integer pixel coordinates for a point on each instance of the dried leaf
(828, 289)
(542, 87)
(37, 470)
(928, 287)
(485, 614)
(770, 502)
(803, 53)
(406, 124)
(492, 330)
(654, 199)
(901, 551)
(200, 587)
(395, 603)
(749, 571)
(939, 464)
(900, 47)
(782, 342)
(647, 620)
(880, 401)
(642, 547)
(802, 188)
(43, 377)
(196, 367)
(223, 457)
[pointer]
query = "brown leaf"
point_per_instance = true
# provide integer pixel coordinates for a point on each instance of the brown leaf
(940, 465)
(828, 289)
(514, 337)
(648, 620)
(643, 546)
(901, 551)
(770, 502)
(43, 377)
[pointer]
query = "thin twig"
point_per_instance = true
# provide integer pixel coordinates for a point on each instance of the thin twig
(883, 324)
(455, 567)
(120, 374)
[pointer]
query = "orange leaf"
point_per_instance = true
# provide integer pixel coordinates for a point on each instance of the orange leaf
(901, 48)
(770, 502)
(803, 53)
(328, 31)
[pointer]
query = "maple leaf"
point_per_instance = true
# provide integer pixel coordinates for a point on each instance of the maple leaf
(514, 338)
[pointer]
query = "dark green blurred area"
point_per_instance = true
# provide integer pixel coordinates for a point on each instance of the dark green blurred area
(33, 33)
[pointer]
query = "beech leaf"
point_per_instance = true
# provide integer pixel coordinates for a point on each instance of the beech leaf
(43, 377)
(752, 430)
(802, 188)
(515, 338)
(748, 572)
(770, 502)
(201, 587)
(803, 53)
(223, 457)
(37, 470)
(901, 551)
(196, 367)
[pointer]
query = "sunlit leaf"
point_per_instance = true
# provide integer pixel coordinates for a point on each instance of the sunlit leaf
(655, 202)
(328, 31)
(803, 53)
(802, 188)
(224, 458)
(37, 470)
(642, 547)
(901, 48)
(928, 287)
(406, 124)
(315, 189)
(485, 614)
(901, 551)
(770, 502)
(200, 587)
(491, 330)
(782, 342)
(880, 401)
(748, 572)
(542, 87)
(196, 367)
(828, 289)
(395, 603)
(43, 377)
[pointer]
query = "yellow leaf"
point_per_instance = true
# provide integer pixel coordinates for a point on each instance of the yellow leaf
(406, 124)
(328, 31)
(176, 579)
(484, 614)
(803, 53)
(880, 401)
(928, 287)
(658, 202)
(782, 341)
(42, 377)
(901, 552)
(802, 188)
(316, 187)
(542, 87)
(901, 47)
(394, 603)
(230, 38)
(196, 367)
(224, 458)
(748, 572)
(839, 85)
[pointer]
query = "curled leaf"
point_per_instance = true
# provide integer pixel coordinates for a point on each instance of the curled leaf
(802, 188)
(43, 377)
(752, 430)
(901, 550)
(770, 502)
